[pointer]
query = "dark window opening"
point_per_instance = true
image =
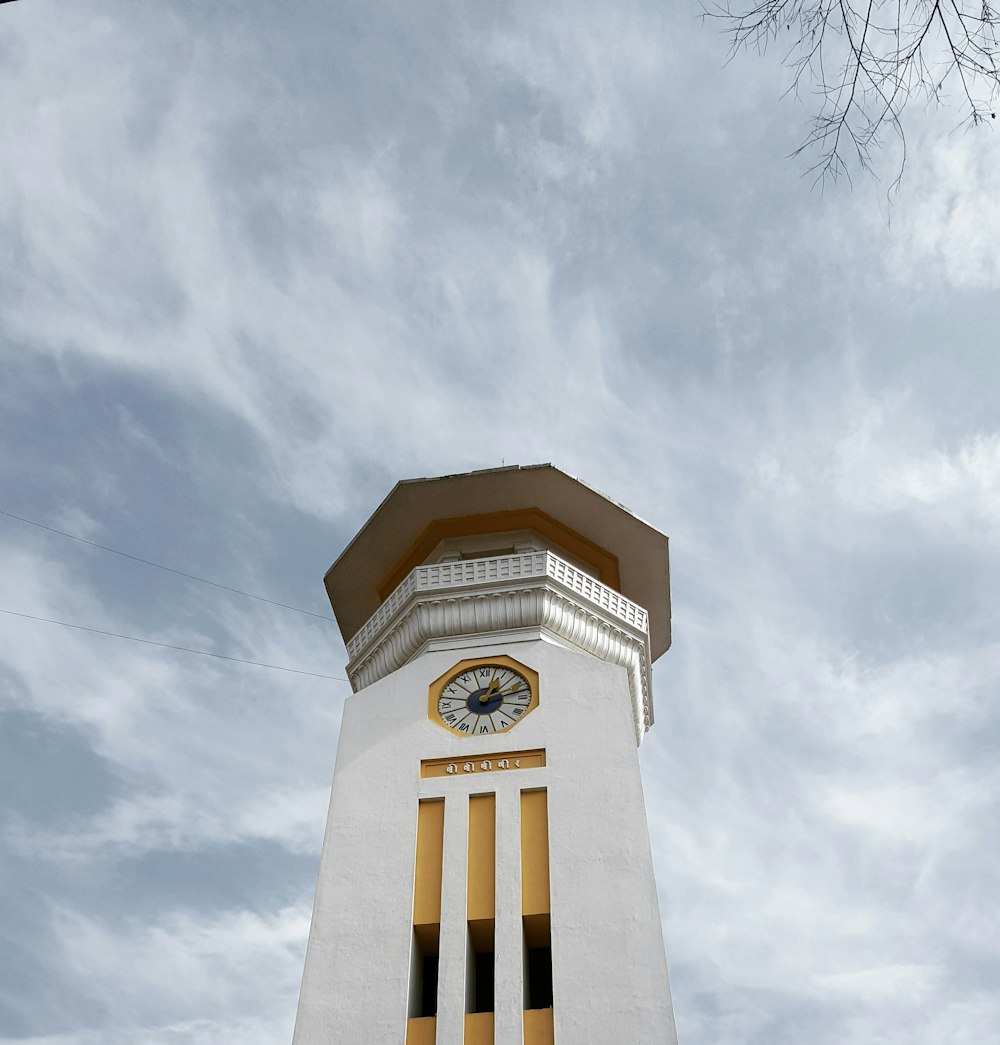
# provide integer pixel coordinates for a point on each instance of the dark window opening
(482, 994)
(424, 972)
(429, 986)
(539, 978)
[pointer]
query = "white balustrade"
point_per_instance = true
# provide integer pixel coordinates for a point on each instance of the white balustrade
(445, 576)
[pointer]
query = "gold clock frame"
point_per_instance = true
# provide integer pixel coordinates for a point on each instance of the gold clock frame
(435, 689)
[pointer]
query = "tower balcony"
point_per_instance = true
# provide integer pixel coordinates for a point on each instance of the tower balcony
(521, 593)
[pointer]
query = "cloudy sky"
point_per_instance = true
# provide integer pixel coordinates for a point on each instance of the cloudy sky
(258, 261)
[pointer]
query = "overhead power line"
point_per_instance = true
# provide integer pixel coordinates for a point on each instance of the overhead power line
(160, 566)
(167, 645)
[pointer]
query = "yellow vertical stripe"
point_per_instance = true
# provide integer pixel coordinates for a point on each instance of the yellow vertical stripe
(430, 851)
(538, 1029)
(421, 1031)
(534, 853)
(479, 1028)
(482, 857)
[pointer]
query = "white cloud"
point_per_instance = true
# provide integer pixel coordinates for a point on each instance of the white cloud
(911, 983)
(815, 816)
(945, 224)
(182, 732)
(589, 66)
(955, 492)
(239, 969)
(896, 812)
(362, 213)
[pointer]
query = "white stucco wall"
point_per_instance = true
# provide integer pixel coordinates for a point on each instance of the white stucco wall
(609, 972)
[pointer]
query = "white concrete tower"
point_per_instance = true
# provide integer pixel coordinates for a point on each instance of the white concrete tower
(486, 874)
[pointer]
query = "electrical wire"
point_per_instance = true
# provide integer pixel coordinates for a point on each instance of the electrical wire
(167, 645)
(160, 566)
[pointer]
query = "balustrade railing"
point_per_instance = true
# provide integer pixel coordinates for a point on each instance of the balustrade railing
(498, 572)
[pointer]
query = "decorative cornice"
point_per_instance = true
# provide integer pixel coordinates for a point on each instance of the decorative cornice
(537, 589)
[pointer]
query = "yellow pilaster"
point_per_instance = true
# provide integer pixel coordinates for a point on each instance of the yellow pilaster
(482, 869)
(479, 1028)
(535, 866)
(538, 1029)
(421, 1030)
(427, 876)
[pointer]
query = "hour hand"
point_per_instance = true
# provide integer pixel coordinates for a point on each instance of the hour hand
(487, 694)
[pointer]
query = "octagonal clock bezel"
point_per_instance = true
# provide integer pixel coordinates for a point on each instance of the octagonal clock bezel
(435, 689)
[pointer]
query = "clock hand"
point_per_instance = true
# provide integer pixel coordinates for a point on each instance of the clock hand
(487, 695)
(514, 687)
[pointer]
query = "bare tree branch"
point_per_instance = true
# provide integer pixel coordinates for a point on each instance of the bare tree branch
(865, 60)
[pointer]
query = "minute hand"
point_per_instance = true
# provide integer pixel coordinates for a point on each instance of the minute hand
(515, 687)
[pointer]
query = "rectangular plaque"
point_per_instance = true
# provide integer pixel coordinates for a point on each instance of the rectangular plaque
(499, 763)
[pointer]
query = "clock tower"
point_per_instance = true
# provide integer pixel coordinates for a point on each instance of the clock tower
(486, 876)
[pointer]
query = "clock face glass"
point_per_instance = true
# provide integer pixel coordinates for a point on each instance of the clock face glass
(484, 699)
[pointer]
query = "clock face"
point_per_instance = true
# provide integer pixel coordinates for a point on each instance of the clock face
(484, 698)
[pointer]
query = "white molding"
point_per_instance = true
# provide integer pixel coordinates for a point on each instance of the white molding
(477, 596)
